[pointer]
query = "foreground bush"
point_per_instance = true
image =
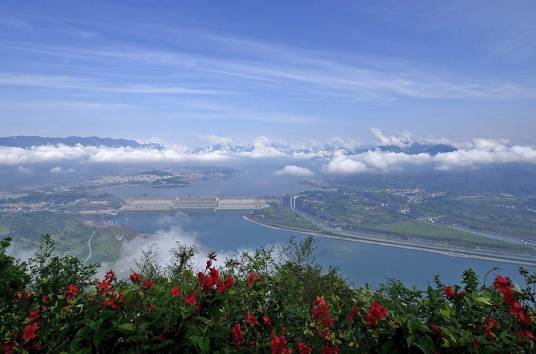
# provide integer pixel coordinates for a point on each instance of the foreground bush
(255, 303)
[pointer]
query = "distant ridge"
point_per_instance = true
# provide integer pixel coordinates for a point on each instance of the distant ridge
(29, 141)
(419, 148)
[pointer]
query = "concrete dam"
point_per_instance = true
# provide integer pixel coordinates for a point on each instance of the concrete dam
(207, 203)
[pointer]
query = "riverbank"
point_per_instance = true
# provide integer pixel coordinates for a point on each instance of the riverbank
(415, 247)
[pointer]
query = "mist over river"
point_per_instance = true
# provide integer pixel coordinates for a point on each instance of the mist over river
(360, 263)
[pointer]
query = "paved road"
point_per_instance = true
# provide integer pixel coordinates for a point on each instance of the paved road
(89, 246)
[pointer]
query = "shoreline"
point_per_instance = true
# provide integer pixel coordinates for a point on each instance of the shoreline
(457, 254)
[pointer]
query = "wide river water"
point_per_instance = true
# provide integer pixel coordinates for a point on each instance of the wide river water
(360, 263)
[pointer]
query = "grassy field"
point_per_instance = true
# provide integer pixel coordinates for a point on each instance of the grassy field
(501, 216)
(26, 229)
(70, 233)
(105, 248)
(398, 213)
(283, 217)
(349, 209)
(438, 233)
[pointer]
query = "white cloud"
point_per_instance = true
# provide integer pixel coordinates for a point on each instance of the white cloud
(343, 165)
(91, 84)
(216, 139)
(58, 169)
(402, 140)
(337, 160)
(252, 65)
(263, 147)
(478, 153)
(483, 152)
(24, 169)
(292, 170)
(162, 242)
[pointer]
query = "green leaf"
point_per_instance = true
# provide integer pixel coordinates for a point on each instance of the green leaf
(126, 327)
(445, 312)
(482, 300)
(200, 343)
(425, 344)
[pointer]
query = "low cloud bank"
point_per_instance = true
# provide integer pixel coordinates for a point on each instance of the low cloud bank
(480, 152)
(401, 140)
(338, 156)
(292, 170)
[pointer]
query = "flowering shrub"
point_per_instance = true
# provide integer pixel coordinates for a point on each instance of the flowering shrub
(253, 304)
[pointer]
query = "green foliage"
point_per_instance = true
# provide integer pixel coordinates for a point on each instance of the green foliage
(49, 272)
(13, 275)
(265, 301)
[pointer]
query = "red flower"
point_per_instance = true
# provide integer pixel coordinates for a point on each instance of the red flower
(224, 286)
(151, 307)
(525, 334)
(252, 277)
(266, 320)
(214, 275)
(8, 348)
(320, 312)
(103, 286)
(71, 291)
(45, 299)
(175, 292)
(209, 281)
(191, 298)
(237, 334)
(135, 277)
(327, 349)
(303, 348)
(328, 321)
(376, 313)
(436, 329)
(34, 315)
(449, 292)
(148, 284)
(501, 282)
(209, 264)
(524, 318)
(29, 331)
(110, 275)
(489, 326)
(279, 343)
(320, 308)
(504, 286)
(516, 309)
(325, 335)
(251, 320)
(114, 300)
(354, 311)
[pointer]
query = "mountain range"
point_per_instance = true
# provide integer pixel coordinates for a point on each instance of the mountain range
(29, 141)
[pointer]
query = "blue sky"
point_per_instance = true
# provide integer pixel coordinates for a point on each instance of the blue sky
(181, 70)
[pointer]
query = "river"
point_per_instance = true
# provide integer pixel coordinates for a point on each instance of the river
(359, 263)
